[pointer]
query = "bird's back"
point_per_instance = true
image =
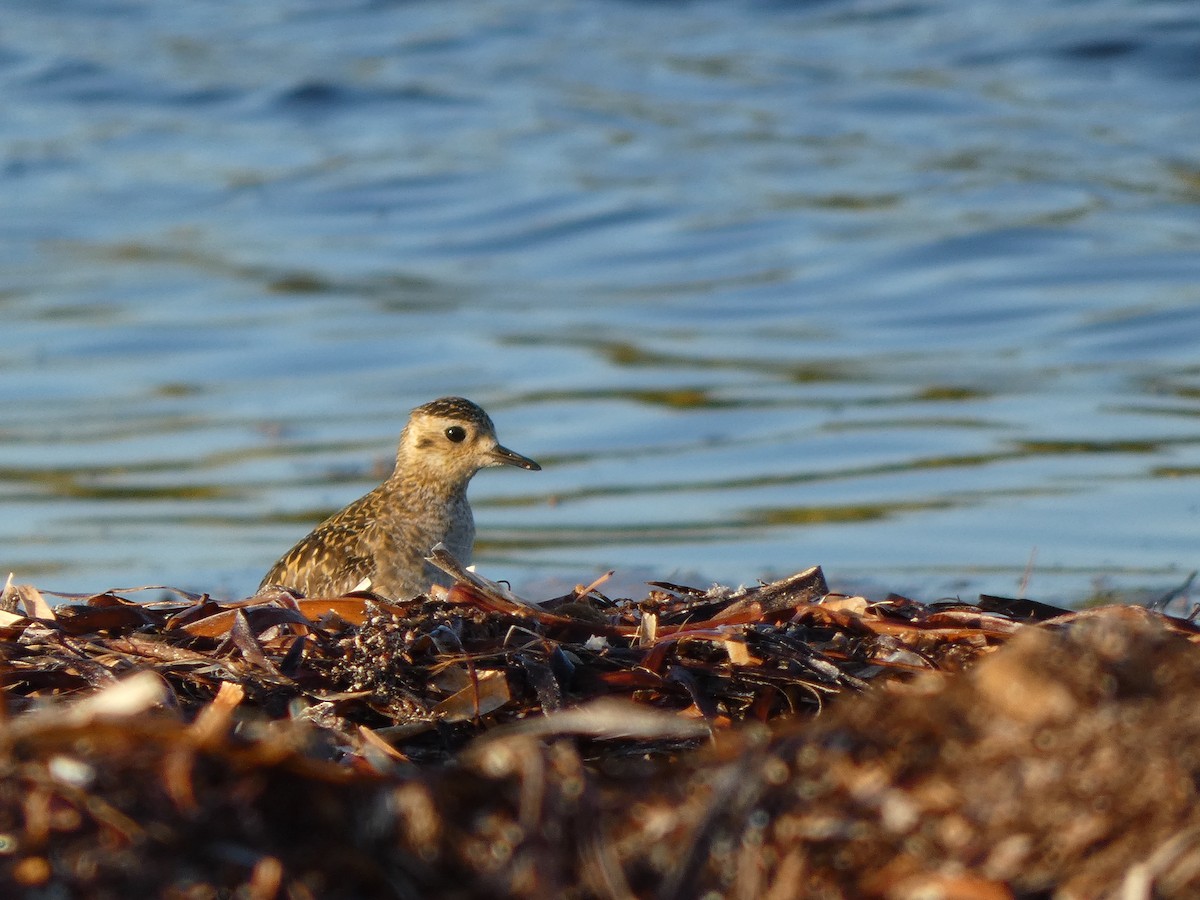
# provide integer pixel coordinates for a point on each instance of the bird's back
(336, 556)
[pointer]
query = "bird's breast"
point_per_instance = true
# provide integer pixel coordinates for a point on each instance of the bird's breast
(459, 536)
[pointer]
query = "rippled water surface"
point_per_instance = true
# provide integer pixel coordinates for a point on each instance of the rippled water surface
(909, 290)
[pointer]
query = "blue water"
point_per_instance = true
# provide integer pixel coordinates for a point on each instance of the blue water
(908, 290)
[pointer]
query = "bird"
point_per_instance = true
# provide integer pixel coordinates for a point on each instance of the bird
(380, 541)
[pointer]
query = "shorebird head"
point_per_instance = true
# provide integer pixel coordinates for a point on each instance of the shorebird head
(452, 438)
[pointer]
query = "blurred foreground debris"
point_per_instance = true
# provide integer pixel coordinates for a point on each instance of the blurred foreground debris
(776, 741)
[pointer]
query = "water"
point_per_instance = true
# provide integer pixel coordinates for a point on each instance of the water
(908, 290)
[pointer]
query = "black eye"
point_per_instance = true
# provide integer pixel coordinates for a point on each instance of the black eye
(456, 433)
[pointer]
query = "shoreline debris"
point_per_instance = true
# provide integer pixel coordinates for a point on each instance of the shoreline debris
(774, 741)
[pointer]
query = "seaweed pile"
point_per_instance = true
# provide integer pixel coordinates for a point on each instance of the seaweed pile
(772, 741)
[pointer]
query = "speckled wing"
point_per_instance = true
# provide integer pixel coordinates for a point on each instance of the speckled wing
(332, 560)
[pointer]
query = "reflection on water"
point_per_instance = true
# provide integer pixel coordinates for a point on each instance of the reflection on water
(906, 291)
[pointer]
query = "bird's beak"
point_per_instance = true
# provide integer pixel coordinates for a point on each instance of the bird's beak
(505, 457)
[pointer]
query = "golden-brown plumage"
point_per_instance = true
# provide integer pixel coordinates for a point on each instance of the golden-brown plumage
(382, 538)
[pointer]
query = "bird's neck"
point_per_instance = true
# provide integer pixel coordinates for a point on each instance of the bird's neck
(430, 487)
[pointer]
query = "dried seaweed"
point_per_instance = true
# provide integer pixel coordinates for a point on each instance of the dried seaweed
(779, 740)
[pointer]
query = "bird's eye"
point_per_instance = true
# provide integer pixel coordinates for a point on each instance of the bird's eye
(456, 433)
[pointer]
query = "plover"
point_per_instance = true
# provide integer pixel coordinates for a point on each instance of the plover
(380, 541)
